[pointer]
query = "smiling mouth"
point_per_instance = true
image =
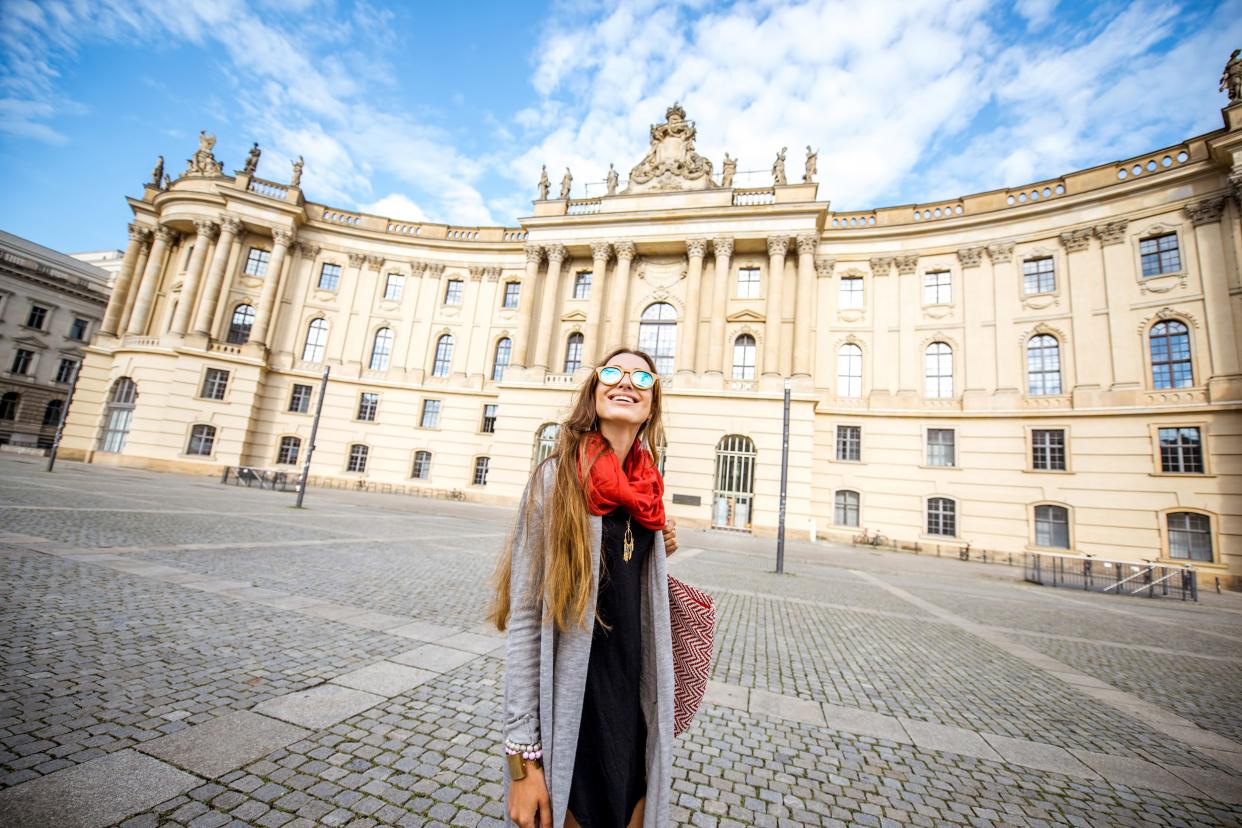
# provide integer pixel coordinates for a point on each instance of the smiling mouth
(625, 398)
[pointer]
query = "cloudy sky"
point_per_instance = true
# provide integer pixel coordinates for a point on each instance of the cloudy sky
(445, 113)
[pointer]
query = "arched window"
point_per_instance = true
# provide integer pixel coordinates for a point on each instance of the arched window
(8, 405)
(845, 508)
(1170, 355)
(938, 370)
(744, 357)
(1052, 526)
(573, 353)
(316, 338)
(444, 356)
(239, 326)
(1043, 365)
(849, 370)
(51, 414)
(119, 416)
(1190, 536)
(941, 516)
(545, 441)
(504, 349)
(381, 349)
(735, 482)
(657, 335)
(357, 458)
(202, 440)
(287, 455)
(422, 465)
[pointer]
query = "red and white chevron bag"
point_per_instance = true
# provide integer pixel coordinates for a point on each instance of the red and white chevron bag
(692, 615)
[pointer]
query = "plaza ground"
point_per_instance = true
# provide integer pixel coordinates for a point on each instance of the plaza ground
(177, 652)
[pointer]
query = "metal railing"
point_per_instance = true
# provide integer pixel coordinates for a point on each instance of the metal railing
(1146, 579)
(251, 478)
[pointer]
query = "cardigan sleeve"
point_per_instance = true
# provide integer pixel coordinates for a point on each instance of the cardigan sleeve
(522, 653)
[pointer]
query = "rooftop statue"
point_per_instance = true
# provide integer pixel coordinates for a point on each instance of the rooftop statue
(567, 180)
(296, 181)
(778, 168)
(727, 170)
(812, 165)
(612, 180)
(671, 163)
(252, 160)
(1231, 79)
(544, 184)
(157, 174)
(204, 162)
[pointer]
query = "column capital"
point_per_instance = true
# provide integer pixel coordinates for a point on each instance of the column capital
(165, 234)
(1076, 240)
(970, 256)
(206, 228)
(491, 274)
(230, 224)
(1206, 211)
(625, 250)
(435, 269)
(534, 253)
(824, 266)
(556, 254)
(476, 272)
(139, 232)
(356, 259)
(722, 246)
(307, 249)
(696, 248)
(906, 265)
(283, 238)
(807, 244)
(1000, 252)
(601, 251)
(778, 245)
(881, 265)
(375, 262)
(1115, 231)
(418, 267)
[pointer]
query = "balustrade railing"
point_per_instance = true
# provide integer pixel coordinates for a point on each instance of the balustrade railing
(269, 188)
(753, 197)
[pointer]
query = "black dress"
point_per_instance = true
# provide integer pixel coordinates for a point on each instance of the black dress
(610, 773)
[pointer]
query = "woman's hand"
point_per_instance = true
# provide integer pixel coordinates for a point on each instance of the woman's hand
(528, 800)
(670, 537)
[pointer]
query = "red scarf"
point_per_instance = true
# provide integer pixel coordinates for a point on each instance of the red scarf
(638, 487)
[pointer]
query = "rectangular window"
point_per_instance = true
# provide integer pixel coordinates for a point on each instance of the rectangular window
(1037, 276)
(215, 381)
(202, 440)
(582, 284)
(299, 400)
(1160, 254)
(431, 414)
(849, 442)
(64, 373)
(513, 291)
(329, 276)
(452, 292)
(78, 329)
(940, 447)
(480, 470)
(36, 317)
(1048, 449)
(368, 404)
(21, 361)
(941, 517)
(851, 292)
(394, 286)
(256, 261)
(422, 465)
(288, 453)
(936, 288)
(1190, 536)
(1181, 450)
(748, 283)
(489, 419)
(357, 458)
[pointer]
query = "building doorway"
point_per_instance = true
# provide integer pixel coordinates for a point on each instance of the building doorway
(734, 495)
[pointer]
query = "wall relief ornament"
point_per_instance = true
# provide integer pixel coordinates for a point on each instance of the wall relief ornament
(476, 272)
(357, 259)
(491, 274)
(881, 265)
(672, 163)
(375, 262)
(1000, 252)
(1075, 241)
(1112, 233)
(1167, 313)
(970, 256)
(204, 162)
(824, 266)
(1206, 211)
(906, 265)
(1044, 328)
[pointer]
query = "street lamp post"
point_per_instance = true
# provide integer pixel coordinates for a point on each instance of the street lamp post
(310, 449)
(64, 412)
(780, 535)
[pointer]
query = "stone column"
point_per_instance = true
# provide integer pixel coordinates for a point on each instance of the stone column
(267, 299)
(1205, 215)
(723, 250)
(120, 290)
(910, 379)
(526, 307)
(139, 267)
(777, 247)
(696, 249)
(547, 305)
(804, 306)
(164, 236)
(207, 230)
(1010, 376)
(230, 227)
(979, 340)
(1116, 278)
(593, 349)
(882, 295)
(615, 330)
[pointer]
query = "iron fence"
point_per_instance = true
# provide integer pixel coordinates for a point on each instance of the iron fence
(1149, 580)
(251, 478)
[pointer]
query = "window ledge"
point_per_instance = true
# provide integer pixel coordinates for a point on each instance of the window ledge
(1047, 471)
(930, 466)
(1195, 475)
(942, 538)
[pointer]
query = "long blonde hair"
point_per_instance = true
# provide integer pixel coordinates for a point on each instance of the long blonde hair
(563, 579)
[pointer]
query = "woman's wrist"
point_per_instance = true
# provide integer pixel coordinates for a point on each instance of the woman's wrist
(518, 765)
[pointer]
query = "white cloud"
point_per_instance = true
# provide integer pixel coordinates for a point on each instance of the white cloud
(397, 206)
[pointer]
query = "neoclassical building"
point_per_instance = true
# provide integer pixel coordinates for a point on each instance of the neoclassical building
(1049, 366)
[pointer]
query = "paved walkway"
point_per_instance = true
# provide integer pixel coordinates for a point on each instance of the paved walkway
(176, 652)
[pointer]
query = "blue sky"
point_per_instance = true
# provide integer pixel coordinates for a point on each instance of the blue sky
(445, 113)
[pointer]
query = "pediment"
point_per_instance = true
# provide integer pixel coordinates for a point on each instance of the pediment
(30, 342)
(747, 315)
(574, 316)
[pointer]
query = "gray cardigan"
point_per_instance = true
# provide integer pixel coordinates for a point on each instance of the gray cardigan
(545, 675)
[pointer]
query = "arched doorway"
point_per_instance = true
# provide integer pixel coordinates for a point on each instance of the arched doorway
(734, 495)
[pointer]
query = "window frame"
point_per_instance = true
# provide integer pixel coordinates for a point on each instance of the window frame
(384, 356)
(1154, 234)
(849, 377)
(281, 446)
(928, 445)
(454, 289)
(658, 327)
(362, 458)
(64, 377)
(517, 295)
(1029, 432)
(25, 358)
(234, 327)
(1033, 522)
(754, 287)
(941, 290)
(1205, 439)
(574, 344)
(335, 279)
(857, 508)
(1039, 274)
(582, 285)
(843, 440)
(191, 436)
(433, 406)
(751, 350)
(263, 261)
(414, 464)
(940, 378)
(394, 287)
(485, 461)
(15, 399)
(843, 294)
(368, 403)
(321, 347)
(489, 418)
(211, 374)
(955, 516)
(498, 367)
(294, 396)
(86, 329)
(1044, 372)
(1166, 552)
(446, 340)
(1150, 362)
(44, 313)
(47, 409)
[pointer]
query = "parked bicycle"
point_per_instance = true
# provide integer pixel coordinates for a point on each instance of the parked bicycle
(870, 539)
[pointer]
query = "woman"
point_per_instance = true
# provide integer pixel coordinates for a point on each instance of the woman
(582, 589)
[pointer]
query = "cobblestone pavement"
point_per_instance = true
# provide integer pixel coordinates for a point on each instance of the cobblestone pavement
(176, 652)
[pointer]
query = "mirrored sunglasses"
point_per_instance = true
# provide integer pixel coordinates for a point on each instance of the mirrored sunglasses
(611, 375)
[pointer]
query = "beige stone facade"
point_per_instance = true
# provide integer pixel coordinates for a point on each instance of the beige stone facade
(1052, 366)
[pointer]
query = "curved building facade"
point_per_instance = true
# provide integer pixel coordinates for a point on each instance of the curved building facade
(1053, 366)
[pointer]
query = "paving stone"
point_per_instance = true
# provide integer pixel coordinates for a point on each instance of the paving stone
(435, 657)
(933, 736)
(727, 695)
(224, 743)
(423, 631)
(470, 642)
(865, 723)
(376, 620)
(1038, 755)
(1135, 773)
(384, 678)
(785, 707)
(319, 707)
(1223, 786)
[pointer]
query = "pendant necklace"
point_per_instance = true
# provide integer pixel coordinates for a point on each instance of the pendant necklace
(627, 545)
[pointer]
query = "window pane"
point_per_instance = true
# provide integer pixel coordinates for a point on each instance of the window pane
(329, 276)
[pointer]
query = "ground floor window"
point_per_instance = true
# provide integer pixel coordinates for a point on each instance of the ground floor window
(357, 458)
(735, 482)
(941, 516)
(845, 508)
(480, 470)
(422, 465)
(1052, 526)
(1190, 536)
(289, 448)
(202, 440)
(119, 415)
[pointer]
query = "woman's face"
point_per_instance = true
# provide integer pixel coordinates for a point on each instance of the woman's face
(623, 403)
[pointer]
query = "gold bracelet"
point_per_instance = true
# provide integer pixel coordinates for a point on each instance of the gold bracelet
(517, 766)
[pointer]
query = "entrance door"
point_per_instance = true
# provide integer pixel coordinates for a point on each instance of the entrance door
(735, 483)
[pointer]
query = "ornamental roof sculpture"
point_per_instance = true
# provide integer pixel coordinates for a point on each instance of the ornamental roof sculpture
(671, 163)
